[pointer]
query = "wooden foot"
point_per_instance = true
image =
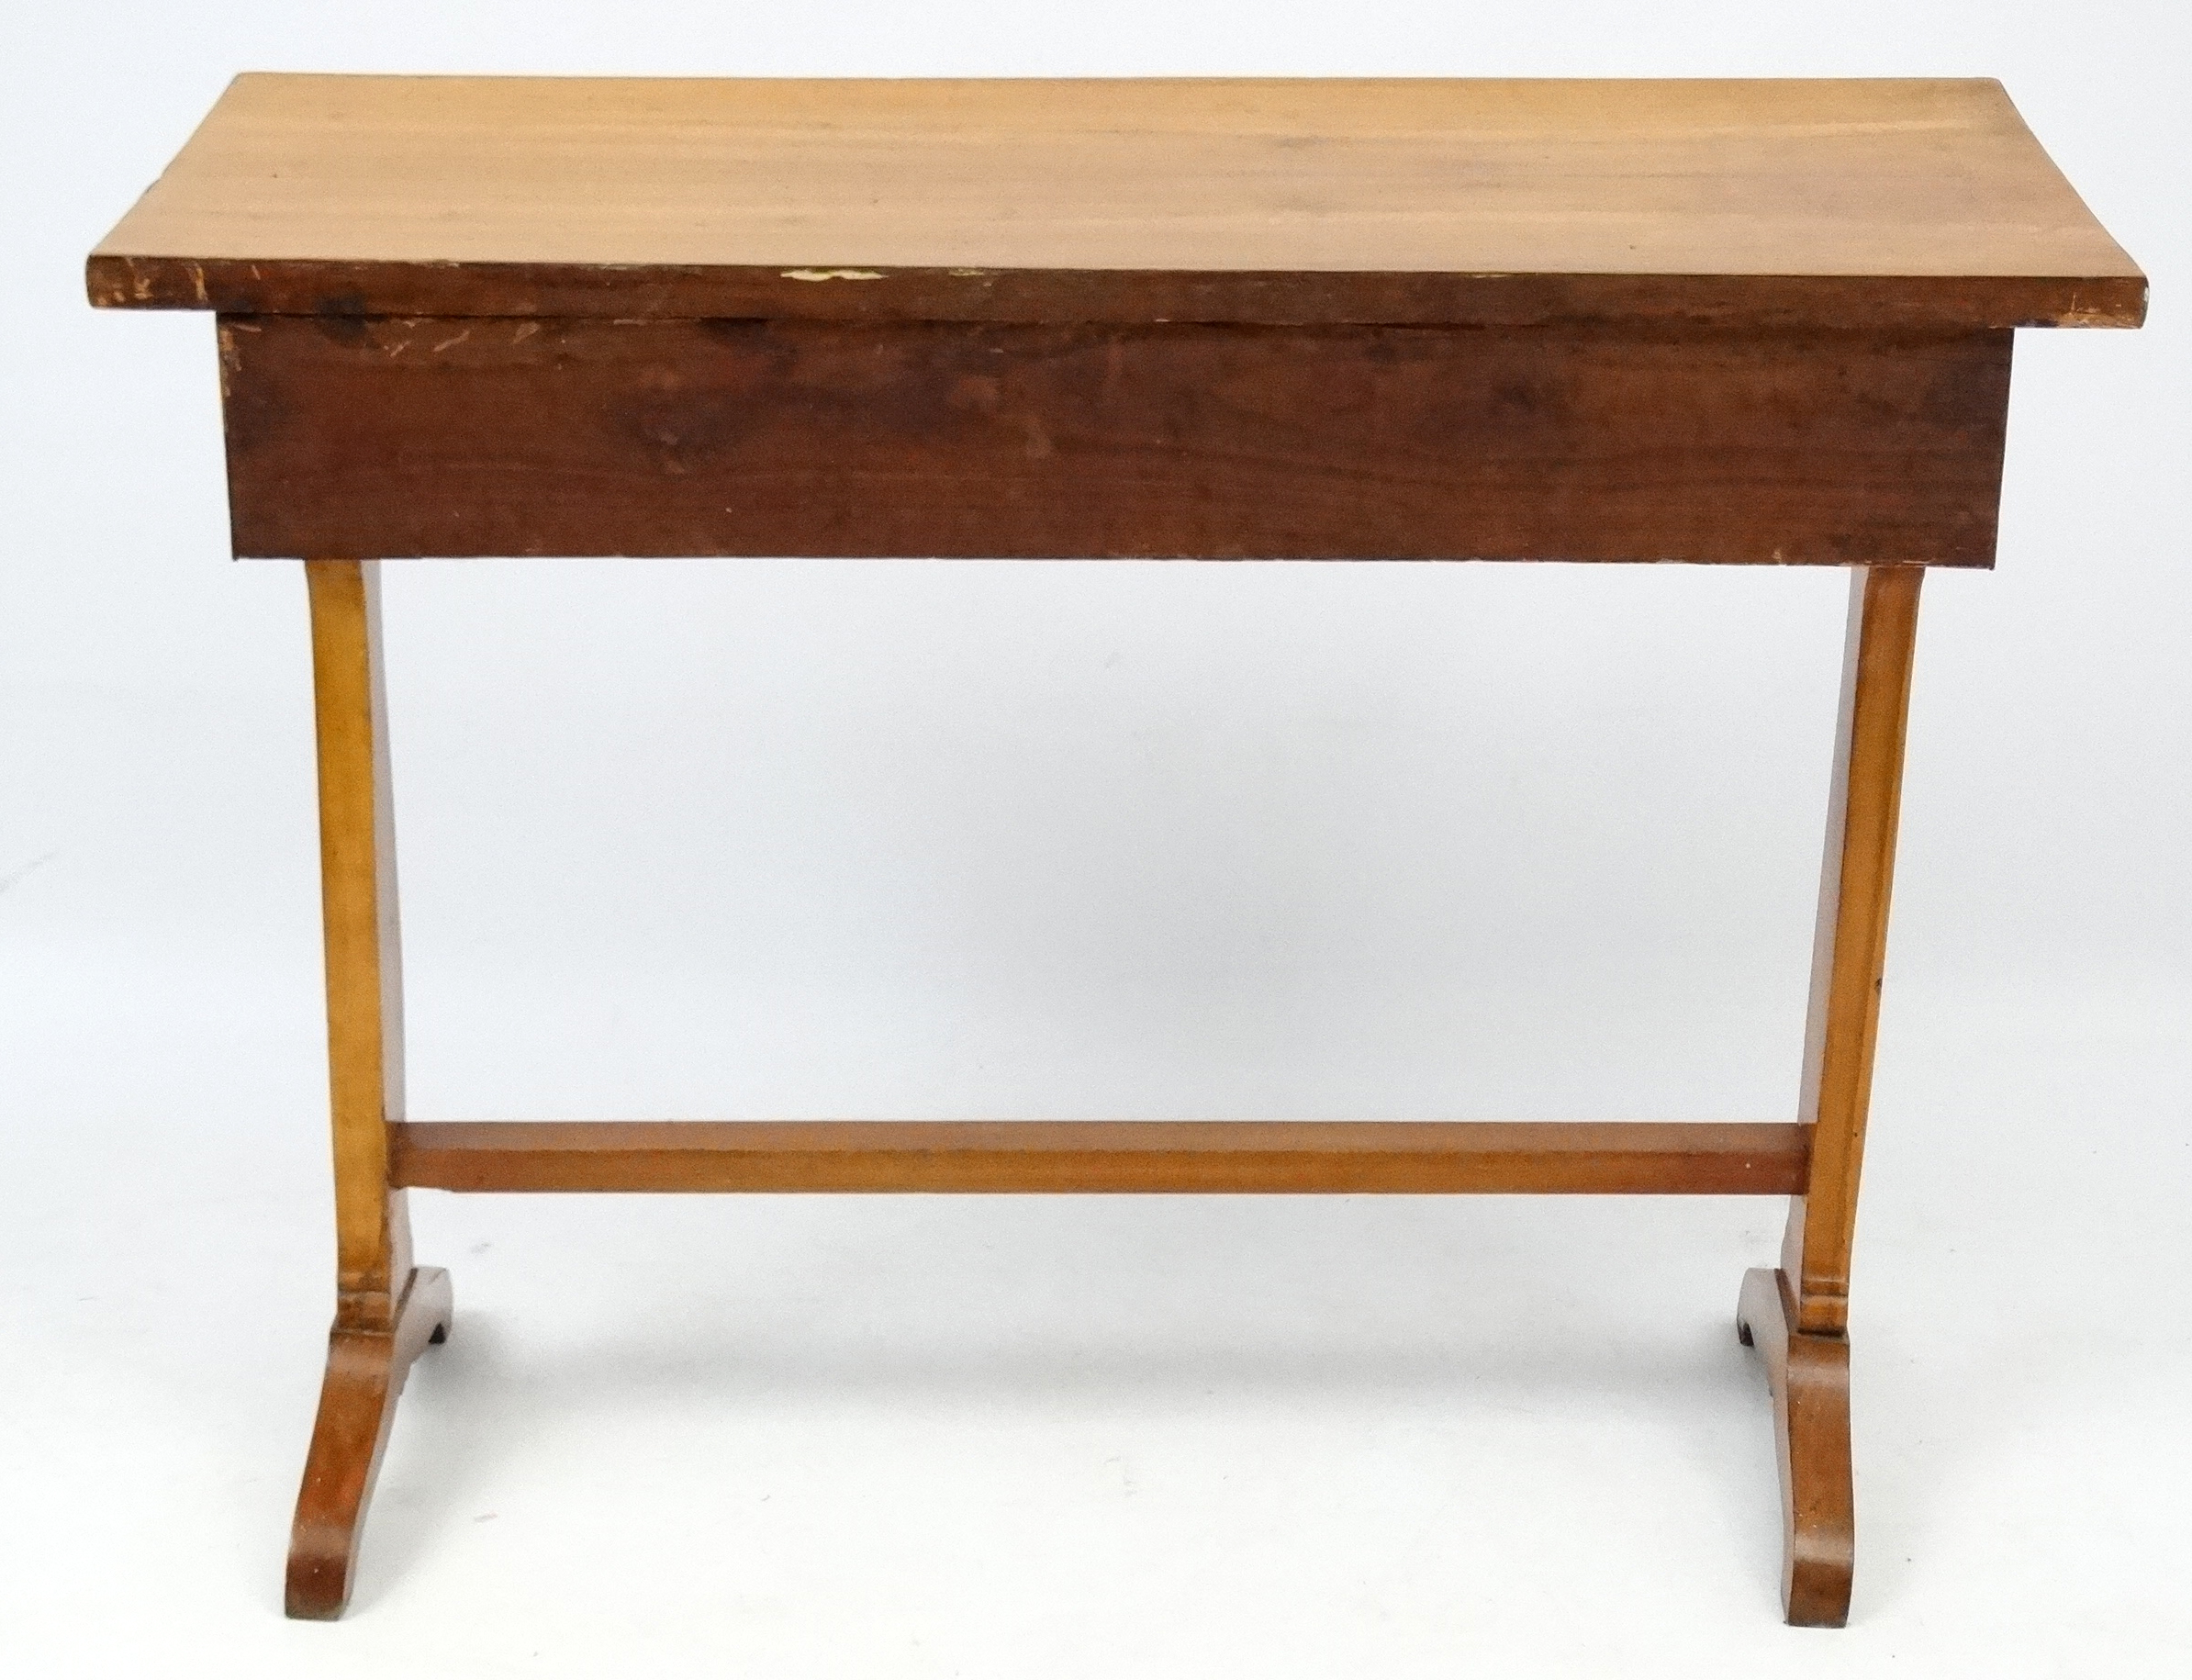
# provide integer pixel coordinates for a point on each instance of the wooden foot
(357, 1402)
(1810, 1378)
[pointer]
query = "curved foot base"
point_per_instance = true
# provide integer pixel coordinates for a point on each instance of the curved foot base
(357, 1402)
(1810, 1379)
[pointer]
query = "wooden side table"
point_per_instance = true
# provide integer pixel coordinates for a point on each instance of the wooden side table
(1746, 322)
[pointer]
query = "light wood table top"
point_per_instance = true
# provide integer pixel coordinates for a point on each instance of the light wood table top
(1841, 203)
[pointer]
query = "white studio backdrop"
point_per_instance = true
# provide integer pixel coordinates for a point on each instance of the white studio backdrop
(786, 839)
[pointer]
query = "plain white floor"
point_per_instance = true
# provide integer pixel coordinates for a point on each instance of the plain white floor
(776, 839)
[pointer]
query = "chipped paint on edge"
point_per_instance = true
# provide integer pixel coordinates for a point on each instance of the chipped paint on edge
(833, 273)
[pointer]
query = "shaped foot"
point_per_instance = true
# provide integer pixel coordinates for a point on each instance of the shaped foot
(357, 1402)
(1810, 1379)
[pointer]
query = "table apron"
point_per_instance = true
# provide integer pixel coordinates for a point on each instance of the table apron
(395, 437)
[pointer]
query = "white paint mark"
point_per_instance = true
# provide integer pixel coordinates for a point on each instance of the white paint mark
(833, 273)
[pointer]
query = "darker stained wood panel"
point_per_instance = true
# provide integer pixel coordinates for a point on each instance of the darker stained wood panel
(404, 437)
(1196, 1157)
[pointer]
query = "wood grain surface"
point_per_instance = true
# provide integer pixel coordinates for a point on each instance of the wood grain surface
(1850, 945)
(385, 1310)
(362, 938)
(1259, 1157)
(401, 438)
(1850, 203)
(366, 1372)
(1809, 1377)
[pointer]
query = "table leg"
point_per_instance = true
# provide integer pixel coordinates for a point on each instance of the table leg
(385, 1310)
(1799, 1315)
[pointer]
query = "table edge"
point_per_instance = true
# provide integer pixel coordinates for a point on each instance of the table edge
(1290, 297)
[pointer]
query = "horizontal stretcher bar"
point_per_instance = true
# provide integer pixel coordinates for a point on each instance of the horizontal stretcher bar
(1195, 1156)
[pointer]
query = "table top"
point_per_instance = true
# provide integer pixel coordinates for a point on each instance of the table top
(1811, 203)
